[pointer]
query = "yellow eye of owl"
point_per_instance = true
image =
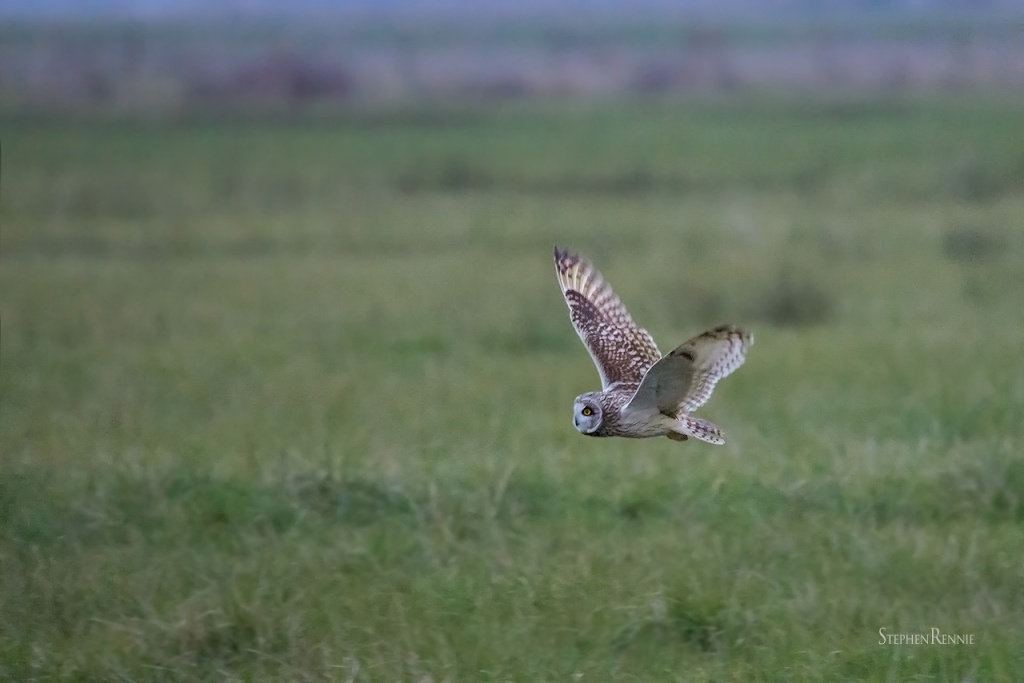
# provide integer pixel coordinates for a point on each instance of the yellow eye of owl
(588, 411)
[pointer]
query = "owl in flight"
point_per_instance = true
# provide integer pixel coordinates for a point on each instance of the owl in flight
(642, 392)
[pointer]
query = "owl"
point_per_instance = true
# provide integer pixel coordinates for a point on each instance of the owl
(643, 393)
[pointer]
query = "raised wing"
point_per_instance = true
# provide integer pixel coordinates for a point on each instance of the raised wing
(683, 380)
(622, 351)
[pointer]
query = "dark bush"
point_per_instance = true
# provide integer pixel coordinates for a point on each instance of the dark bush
(794, 300)
(973, 243)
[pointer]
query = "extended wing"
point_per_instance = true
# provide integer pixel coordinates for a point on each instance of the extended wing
(621, 350)
(683, 380)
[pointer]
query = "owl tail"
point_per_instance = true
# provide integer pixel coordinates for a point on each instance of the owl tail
(688, 425)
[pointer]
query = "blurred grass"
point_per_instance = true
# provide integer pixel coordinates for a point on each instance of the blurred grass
(291, 400)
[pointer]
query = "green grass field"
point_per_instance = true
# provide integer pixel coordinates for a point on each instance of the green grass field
(291, 400)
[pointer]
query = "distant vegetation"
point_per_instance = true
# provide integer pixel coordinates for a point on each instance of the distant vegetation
(288, 66)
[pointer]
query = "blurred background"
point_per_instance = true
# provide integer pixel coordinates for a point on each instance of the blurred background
(286, 378)
(167, 56)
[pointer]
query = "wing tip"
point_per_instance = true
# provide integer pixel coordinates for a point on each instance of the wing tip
(729, 331)
(570, 268)
(565, 257)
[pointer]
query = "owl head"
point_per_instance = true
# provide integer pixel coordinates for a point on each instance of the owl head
(587, 413)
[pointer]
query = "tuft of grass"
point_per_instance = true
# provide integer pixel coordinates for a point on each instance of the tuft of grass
(973, 243)
(794, 299)
(974, 178)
